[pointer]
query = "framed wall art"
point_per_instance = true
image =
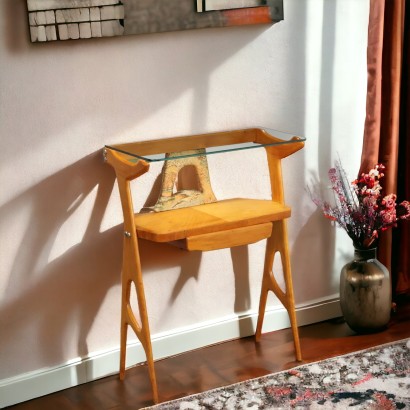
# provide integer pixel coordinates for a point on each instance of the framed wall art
(52, 20)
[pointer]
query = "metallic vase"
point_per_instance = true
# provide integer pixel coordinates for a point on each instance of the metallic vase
(365, 292)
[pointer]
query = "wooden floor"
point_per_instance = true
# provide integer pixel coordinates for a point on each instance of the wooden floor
(221, 364)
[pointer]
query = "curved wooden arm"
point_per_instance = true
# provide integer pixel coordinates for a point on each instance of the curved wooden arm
(282, 150)
(122, 165)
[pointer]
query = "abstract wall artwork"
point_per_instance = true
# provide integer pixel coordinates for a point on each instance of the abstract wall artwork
(52, 20)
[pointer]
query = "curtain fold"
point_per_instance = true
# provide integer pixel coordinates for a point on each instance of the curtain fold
(383, 131)
(401, 256)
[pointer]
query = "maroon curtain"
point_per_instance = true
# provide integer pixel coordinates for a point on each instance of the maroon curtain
(401, 243)
(386, 134)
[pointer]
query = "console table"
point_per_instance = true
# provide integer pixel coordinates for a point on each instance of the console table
(196, 221)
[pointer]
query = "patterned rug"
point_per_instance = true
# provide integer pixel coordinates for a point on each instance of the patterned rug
(377, 378)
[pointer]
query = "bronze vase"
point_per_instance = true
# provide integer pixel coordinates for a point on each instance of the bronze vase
(365, 292)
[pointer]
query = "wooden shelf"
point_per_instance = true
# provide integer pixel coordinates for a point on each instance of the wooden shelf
(218, 216)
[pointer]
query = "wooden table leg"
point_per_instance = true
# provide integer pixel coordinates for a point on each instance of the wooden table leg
(132, 274)
(278, 243)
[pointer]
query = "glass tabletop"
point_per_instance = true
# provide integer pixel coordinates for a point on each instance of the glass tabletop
(205, 144)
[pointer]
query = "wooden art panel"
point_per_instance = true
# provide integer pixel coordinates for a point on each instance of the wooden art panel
(52, 20)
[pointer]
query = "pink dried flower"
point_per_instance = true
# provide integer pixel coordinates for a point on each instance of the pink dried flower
(359, 206)
(388, 216)
(403, 210)
(389, 201)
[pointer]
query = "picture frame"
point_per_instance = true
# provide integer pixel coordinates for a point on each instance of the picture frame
(54, 20)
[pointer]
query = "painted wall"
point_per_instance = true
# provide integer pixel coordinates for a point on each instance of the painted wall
(60, 216)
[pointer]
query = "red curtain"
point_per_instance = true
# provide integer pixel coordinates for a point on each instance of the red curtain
(401, 254)
(386, 133)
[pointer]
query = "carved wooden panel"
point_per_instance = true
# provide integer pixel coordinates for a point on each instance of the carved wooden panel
(196, 190)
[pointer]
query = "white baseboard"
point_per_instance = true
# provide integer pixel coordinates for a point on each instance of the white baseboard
(82, 370)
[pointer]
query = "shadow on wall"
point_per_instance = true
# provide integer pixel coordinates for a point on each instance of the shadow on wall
(50, 307)
(189, 264)
(318, 237)
(314, 248)
(46, 300)
(327, 75)
(327, 240)
(240, 262)
(131, 76)
(190, 261)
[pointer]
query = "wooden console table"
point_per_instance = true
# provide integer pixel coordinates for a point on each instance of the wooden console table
(208, 226)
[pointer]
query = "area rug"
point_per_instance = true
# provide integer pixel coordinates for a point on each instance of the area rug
(376, 378)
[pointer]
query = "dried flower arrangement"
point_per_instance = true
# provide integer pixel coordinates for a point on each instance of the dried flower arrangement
(359, 206)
